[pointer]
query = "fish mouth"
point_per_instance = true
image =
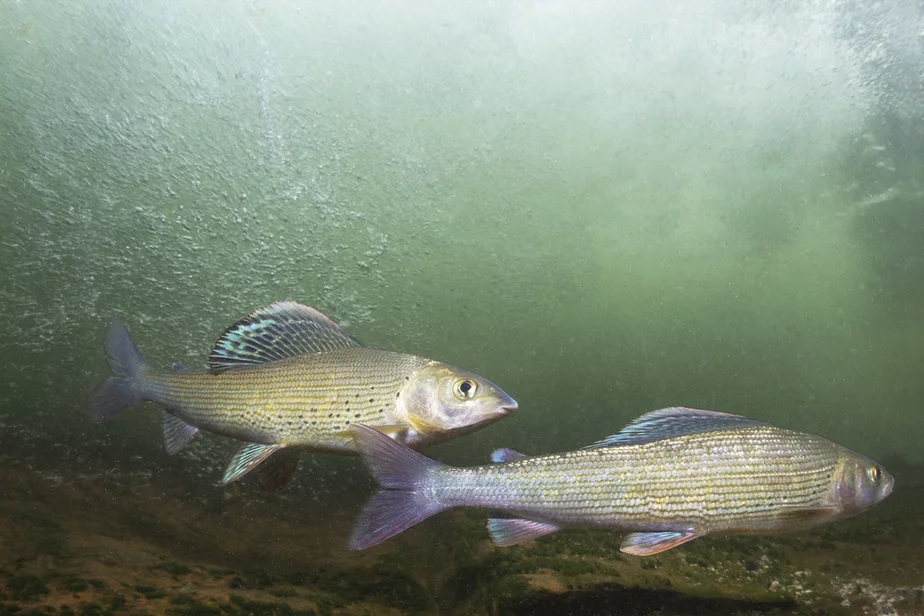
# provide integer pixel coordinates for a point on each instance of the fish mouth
(508, 408)
(887, 488)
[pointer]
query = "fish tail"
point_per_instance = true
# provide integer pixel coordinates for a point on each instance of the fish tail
(404, 477)
(121, 391)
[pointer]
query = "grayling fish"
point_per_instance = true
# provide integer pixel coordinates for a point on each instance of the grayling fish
(668, 477)
(288, 379)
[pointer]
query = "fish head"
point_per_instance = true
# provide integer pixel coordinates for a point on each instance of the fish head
(859, 483)
(442, 401)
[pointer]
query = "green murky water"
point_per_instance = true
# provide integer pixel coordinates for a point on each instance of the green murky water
(604, 209)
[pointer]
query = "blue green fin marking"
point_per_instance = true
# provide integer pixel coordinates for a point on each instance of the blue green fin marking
(402, 475)
(121, 391)
(646, 544)
(248, 458)
(511, 531)
(671, 423)
(284, 329)
(505, 455)
(177, 433)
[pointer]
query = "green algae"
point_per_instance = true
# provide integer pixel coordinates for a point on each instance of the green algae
(26, 587)
(174, 568)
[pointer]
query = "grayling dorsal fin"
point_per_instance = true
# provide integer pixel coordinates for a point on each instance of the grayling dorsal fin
(248, 458)
(646, 544)
(671, 423)
(177, 434)
(282, 330)
(506, 455)
(511, 531)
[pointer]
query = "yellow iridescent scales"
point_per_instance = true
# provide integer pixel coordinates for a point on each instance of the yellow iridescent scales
(287, 379)
(670, 476)
(307, 401)
(721, 481)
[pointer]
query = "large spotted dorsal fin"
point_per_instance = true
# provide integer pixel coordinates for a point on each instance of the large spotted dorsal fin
(282, 330)
(671, 423)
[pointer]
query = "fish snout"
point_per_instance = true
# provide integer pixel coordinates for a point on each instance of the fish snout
(508, 406)
(887, 485)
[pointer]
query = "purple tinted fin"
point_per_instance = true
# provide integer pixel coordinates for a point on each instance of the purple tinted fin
(646, 544)
(284, 329)
(389, 513)
(248, 458)
(117, 393)
(277, 472)
(671, 423)
(393, 465)
(405, 498)
(506, 532)
(177, 433)
(506, 455)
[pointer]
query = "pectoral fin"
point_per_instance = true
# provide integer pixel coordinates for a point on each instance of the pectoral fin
(422, 425)
(806, 515)
(248, 458)
(395, 432)
(646, 544)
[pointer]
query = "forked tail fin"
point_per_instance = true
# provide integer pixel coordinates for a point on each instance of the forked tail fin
(405, 479)
(119, 392)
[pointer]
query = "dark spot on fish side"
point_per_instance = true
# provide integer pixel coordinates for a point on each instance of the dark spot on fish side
(398, 395)
(407, 378)
(356, 416)
(371, 400)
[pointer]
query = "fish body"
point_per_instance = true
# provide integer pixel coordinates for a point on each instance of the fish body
(287, 379)
(306, 401)
(669, 477)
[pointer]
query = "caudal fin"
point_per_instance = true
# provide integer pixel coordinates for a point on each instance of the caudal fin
(405, 497)
(119, 392)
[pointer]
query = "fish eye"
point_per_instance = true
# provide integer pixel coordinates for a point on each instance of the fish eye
(875, 474)
(465, 389)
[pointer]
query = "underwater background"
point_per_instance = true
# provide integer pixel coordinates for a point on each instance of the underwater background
(604, 208)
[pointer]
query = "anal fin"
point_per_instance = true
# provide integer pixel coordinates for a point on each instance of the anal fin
(647, 544)
(177, 433)
(511, 531)
(248, 458)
